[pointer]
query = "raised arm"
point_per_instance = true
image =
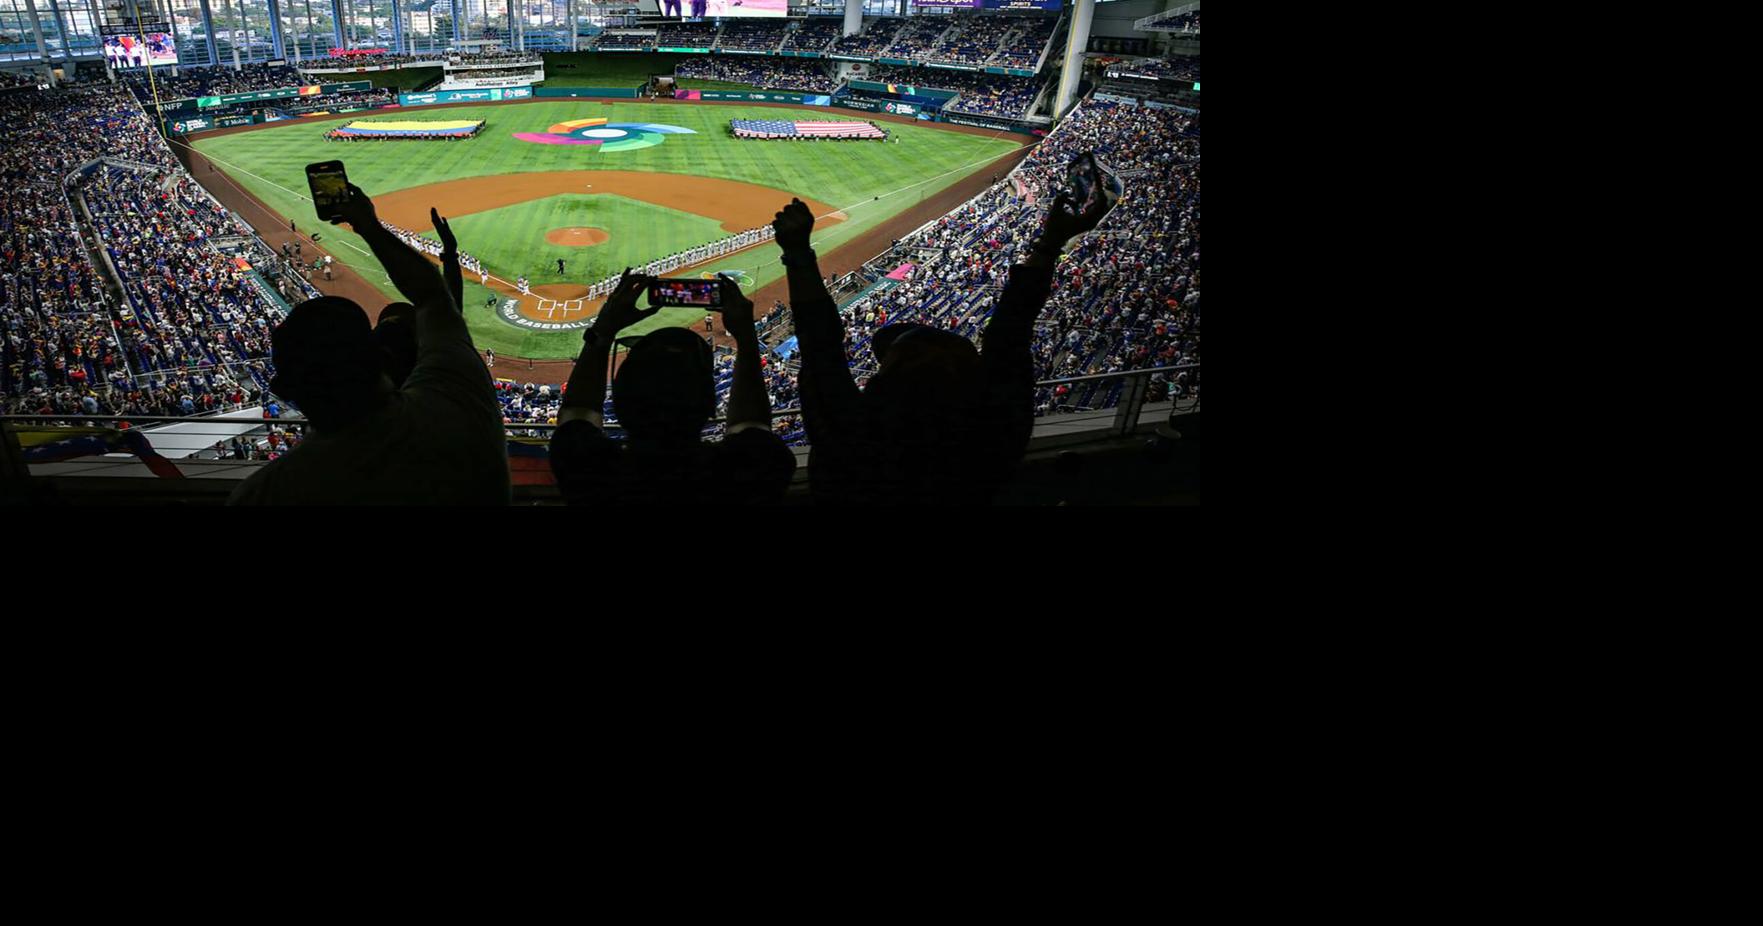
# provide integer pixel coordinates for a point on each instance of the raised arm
(1011, 328)
(829, 394)
(748, 405)
(414, 276)
(585, 399)
(450, 260)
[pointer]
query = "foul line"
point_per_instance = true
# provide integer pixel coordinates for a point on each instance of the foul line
(296, 193)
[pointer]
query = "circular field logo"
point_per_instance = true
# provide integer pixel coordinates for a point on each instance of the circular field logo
(604, 135)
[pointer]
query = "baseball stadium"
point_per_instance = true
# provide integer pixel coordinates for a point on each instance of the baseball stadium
(469, 252)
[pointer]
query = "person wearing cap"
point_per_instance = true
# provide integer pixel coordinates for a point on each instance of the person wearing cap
(664, 394)
(939, 422)
(436, 439)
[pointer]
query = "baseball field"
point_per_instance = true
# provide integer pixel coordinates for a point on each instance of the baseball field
(544, 182)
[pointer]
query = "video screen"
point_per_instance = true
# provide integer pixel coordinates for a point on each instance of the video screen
(685, 292)
(330, 188)
(715, 9)
(127, 51)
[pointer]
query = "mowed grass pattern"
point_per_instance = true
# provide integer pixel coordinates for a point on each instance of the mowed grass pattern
(870, 181)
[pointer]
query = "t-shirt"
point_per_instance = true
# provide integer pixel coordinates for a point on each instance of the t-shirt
(749, 468)
(438, 442)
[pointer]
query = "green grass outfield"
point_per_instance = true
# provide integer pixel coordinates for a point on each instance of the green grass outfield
(848, 175)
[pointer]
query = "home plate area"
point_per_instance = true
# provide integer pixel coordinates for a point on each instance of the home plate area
(561, 309)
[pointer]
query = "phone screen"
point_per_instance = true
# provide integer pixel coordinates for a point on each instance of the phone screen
(704, 294)
(330, 187)
(1082, 178)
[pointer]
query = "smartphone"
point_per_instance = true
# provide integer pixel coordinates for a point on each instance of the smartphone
(1091, 181)
(703, 294)
(1081, 177)
(330, 188)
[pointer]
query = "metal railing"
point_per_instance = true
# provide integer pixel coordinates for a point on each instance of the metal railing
(1128, 406)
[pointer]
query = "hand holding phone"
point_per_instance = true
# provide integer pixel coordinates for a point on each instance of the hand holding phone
(330, 188)
(700, 294)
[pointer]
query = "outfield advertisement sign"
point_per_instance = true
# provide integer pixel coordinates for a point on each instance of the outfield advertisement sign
(807, 99)
(226, 122)
(879, 106)
(488, 95)
(984, 122)
(188, 125)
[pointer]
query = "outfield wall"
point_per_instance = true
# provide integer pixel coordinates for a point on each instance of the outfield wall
(210, 126)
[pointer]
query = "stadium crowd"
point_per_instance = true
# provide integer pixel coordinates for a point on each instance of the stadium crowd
(1176, 68)
(494, 57)
(489, 74)
(625, 40)
(915, 39)
(981, 94)
(1130, 294)
(19, 79)
(1026, 47)
(767, 73)
(976, 39)
(876, 38)
(191, 313)
(751, 34)
(815, 35)
(211, 81)
(329, 66)
(59, 350)
(686, 35)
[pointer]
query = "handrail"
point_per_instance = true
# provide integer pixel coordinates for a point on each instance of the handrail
(1142, 373)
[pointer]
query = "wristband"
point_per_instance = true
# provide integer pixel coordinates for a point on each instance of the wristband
(803, 257)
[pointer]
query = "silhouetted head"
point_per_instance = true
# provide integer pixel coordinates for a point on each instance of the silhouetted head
(927, 411)
(326, 361)
(925, 367)
(665, 390)
(396, 336)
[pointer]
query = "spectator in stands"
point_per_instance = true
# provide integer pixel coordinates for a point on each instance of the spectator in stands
(436, 441)
(939, 423)
(663, 396)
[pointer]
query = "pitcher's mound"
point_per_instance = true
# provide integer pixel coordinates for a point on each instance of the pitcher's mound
(577, 237)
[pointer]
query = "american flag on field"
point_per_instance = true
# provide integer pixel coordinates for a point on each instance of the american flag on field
(783, 128)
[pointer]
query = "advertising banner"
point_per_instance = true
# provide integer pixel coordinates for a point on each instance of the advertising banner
(188, 125)
(986, 122)
(749, 97)
(878, 106)
(491, 95)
